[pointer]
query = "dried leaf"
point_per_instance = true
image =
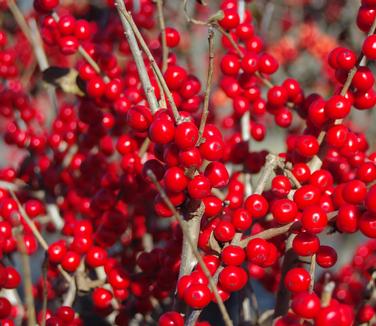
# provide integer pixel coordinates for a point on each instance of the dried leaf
(64, 78)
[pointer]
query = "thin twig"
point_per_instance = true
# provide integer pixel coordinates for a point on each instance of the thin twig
(205, 110)
(127, 17)
(19, 18)
(162, 26)
(27, 282)
(283, 294)
(272, 162)
(196, 253)
(273, 232)
(327, 293)
(137, 56)
(312, 269)
(36, 232)
(44, 290)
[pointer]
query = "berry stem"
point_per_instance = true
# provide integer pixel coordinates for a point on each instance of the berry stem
(312, 269)
(27, 282)
(205, 110)
(162, 26)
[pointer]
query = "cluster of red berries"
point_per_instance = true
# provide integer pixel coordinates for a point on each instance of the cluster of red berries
(103, 180)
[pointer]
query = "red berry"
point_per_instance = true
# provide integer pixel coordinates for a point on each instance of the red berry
(101, 298)
(175, 179)
(199, 187)
(232, 278)
(307, 145)
(257, 205)
(230, 19)
(326, 256)
(186, 135)
(314, 219)
(172, 37)
(162, 131)
(306, 305)
(217, 174)
(297, 280)
(284, 211)
(233, 255)
(197, 296)
(369, 47)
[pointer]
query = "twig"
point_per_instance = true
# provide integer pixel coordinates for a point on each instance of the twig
(327, 293)
(189, 18)
(19, 18)
(188, 259)
(40, 54)
(196, 253)
(29, 222)
(273, 232)
(144, 147)
(193, 317)
(272, 162)
(44, 290)
(36, 232)
(162, 26)
(312, 269)
(137, 56)
(135, 31)
(283, 294)
(205, 110)
(27, 282)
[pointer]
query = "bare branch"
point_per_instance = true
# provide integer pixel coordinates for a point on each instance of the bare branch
(162, 26)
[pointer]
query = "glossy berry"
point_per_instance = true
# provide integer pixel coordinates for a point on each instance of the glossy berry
(369, 47)
(281, 186)
(305, 244)
(217, 174)
(224, 231)
(197, 296)
(241, 219)
(307, 146)
(232, 278)
(284, 211)
(257, 205)
(162, 131)
(337, 107)
(139, 118)
(101, 298)
(172, 37)
(175, 179)
(326, 256)
(233, 255)
(186, 135)
(354, 192)
(314, 219)
(199, 187)
(230, 19)
(306, 305)
(297, 280)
